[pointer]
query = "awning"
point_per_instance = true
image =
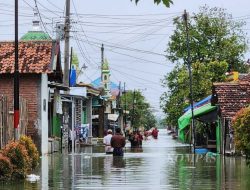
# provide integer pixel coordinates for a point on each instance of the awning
(78, 91)
(185, 119)
(113, 117)
(200, 103)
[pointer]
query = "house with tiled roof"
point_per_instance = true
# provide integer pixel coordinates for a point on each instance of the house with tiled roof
(39, 65)
(230, 97)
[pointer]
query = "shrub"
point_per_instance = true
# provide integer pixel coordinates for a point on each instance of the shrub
(19, 158)
(6, 167)
(31, 149)
(241, 125)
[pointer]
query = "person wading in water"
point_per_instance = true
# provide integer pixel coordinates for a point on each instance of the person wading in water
(118, 143)
(106, 142)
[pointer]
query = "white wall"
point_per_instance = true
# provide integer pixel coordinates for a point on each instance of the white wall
(44, 113)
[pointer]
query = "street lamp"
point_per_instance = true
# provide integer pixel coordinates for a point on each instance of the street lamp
(185, 18)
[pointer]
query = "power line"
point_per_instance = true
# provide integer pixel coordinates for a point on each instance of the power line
(124, 48)
(133, 80)
(41, 18)
(133, 69)
(54, 5)
(84, 35)
(130, 55)
(45, 8)
(132, 15)
(137, 77)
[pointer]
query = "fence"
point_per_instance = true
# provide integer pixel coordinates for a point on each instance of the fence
(7, 118)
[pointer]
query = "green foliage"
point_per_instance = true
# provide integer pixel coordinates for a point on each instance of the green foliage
(141, 115)
(217, 44)
(241, 128)
(177, 82)
(165, 2)
(6, 167)
(19, 158)
(214, 36)
(31, 149)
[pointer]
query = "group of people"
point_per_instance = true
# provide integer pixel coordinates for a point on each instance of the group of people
(114, 144)
(135, 139)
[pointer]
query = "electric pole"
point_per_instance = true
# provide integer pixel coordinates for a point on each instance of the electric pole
(132, 120)
(185, 18)
(102, 59)
(125, 96)
(66, 45)
(102, 56)
(16, 77)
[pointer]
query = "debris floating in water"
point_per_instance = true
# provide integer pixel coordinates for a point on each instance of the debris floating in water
(33, 178)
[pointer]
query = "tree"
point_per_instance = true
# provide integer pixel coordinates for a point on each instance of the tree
(149, 120)
(165, 2)
(140, 112)
(177, 82)
(242, 132)
(217, 43)
(214, 36)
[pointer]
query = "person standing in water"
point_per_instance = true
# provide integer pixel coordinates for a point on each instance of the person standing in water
(106, 142)
(118, 143)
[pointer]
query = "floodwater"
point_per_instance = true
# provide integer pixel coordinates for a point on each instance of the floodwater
(161, 164)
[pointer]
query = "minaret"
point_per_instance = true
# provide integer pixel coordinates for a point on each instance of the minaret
(36, 32)
(105, 74)
(106, 78)
(36, 22)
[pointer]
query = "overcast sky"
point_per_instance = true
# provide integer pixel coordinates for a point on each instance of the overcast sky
(134, 37)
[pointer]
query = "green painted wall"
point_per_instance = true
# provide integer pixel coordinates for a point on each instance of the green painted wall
(56, 130)
(84, 116)
(218, 136)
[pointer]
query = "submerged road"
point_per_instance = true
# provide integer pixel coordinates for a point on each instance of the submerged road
(161, 164)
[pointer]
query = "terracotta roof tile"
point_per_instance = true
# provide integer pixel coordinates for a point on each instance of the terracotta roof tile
(34, 57)
(246, 78)
(232, 96)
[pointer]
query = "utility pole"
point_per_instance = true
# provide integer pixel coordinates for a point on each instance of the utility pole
(102, 59)
(120, 118)
(66, 45)
(102, 55)
(125, 96)
(16, 77)
(185, 18)
(101, 108)
(132, 120)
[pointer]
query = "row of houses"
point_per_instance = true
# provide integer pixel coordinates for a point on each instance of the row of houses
(50, 110)
(213, 116)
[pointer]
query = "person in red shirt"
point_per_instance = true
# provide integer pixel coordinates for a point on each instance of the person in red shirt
(155, 133)
(118, 143)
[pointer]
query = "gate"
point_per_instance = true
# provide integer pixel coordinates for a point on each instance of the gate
(6, 120)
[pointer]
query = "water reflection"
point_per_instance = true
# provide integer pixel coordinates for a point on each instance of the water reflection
(118, 162)
(161, 164)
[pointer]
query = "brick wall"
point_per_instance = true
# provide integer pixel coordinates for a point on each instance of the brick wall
(29, 90)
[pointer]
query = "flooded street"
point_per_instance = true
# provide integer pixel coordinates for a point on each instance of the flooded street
(161, 164)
